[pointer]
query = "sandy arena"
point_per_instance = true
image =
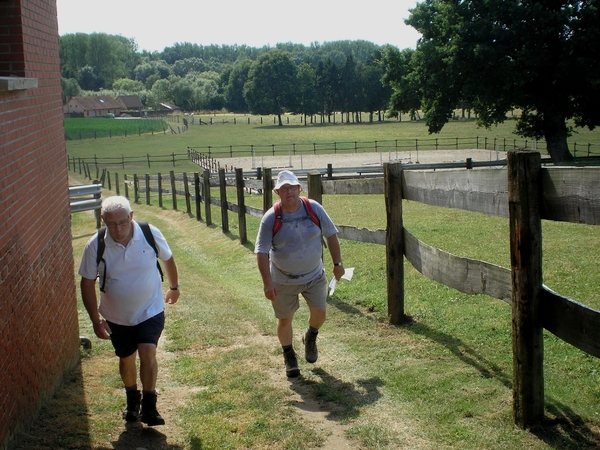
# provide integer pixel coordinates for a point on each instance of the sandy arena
(302, 162)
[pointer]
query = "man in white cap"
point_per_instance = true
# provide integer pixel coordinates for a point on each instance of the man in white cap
(290, 260)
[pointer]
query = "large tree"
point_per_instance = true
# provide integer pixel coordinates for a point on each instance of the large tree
(542, 57)
(270, 85)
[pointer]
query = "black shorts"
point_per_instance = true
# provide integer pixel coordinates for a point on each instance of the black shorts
(125, 339)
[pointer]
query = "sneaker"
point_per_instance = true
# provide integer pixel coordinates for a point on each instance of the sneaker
(132, 411)
(291, 364)
(150, 415)
(310, 347)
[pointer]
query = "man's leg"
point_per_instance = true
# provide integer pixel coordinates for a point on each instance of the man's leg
(149, 334)
(316, 299)
(148, 366)
(127, 369)
(284, 331)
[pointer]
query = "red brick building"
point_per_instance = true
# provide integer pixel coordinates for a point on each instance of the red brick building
(38, 311)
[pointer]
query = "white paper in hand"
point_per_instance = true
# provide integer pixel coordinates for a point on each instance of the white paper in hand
(348, 274)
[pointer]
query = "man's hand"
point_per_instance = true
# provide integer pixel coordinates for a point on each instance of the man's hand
(338, 272)
(102, 329)
(270, 291)
(172, 296)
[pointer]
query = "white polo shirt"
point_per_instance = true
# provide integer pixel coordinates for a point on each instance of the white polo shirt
(133, 289)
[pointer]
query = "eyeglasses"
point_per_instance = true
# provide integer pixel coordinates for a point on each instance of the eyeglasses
(287, 187)
(122, 223)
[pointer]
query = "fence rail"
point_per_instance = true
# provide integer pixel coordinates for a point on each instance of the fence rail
(524, 191)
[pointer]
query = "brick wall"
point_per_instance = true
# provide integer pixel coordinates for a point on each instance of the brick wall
(38, 310)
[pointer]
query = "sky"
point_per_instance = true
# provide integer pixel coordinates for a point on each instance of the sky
(158, 24)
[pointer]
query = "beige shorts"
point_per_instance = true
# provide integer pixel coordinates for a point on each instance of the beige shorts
(288, 302)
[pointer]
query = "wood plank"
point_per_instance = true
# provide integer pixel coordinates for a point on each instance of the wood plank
(571, 194)
(484, 191)
(573, 322)
(463, 274)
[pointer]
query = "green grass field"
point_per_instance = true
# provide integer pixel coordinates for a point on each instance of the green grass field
(442, 382)
(97, 128)
(224, 139)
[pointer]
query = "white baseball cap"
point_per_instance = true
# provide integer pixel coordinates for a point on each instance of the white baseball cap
(286, 177)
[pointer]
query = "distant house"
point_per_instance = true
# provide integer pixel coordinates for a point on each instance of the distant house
(131, 102)
(93, 106)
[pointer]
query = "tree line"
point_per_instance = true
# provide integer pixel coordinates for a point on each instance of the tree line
(319, 79)
(489, 58)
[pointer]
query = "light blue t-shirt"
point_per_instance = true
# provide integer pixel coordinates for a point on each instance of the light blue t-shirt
(295, 252)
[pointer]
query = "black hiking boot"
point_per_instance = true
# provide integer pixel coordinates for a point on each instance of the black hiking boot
(310, 347)
(291, 364)
(132, 411)
(150, 415)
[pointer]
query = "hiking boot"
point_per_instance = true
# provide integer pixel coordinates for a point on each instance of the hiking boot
(132, 411)
(291, 364)
(310, 347)
(150, 415)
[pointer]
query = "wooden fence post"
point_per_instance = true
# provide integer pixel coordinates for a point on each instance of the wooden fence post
(206, 195)
(147, 189)
(136, 189)
(173, 190)
(186, 190)
(524, 181)
(160, 190)
(267, 189)
(315, 191)
(125, 186)
(241, 200)
(197, 192)
(117, 187)
(394, 242)
(223, 192)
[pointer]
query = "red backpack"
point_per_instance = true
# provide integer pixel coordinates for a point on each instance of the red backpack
(279, 220)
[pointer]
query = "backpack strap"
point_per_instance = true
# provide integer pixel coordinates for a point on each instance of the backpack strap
(279, 220)
(100, 253)
(101, 246)
(313, 216)
(150, 239)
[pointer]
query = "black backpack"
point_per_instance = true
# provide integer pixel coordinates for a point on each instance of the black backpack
(101, 245)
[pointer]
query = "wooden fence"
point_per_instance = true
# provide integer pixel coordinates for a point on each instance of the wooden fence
(525, 192)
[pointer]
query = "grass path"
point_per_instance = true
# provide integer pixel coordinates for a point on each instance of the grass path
(430, 385)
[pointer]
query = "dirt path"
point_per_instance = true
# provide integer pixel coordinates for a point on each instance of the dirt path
(360, 159)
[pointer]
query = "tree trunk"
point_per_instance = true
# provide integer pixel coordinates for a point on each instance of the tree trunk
(280, 122)
(555, 132)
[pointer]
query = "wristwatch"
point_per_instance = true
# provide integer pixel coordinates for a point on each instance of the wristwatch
(338, 264)
(174, 288)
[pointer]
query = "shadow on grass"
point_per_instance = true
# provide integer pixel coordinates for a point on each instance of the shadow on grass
(62, 421)
(341, 400)
(138, 436)
(560, 428)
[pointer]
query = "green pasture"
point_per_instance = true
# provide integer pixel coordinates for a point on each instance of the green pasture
(97, 128)
(224, 139)
(443, 381)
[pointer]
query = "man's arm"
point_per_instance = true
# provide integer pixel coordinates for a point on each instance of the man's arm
(90, 301)
(333, 244)
(264, 267)
(173, 279)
